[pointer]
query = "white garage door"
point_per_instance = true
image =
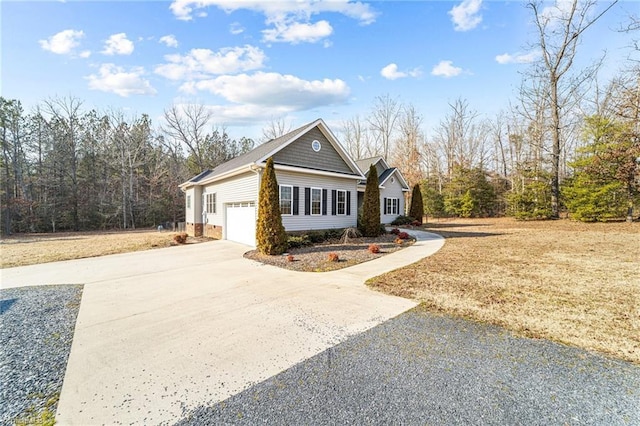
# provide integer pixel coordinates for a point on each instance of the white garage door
(241, 222)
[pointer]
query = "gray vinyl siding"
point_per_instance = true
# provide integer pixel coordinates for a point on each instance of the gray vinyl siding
(380, 168)
(300, 153)
(303, 222)
(391, 190)
(240, 188)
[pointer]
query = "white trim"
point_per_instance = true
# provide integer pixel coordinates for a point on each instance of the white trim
(338, 191)
(214, 203)
(311, 213)
(290, 200)
(391, 212)
(314, 172)
(400, 177)
(230, 173)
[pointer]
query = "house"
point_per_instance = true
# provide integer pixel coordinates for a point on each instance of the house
(319, 187)
(392, 184)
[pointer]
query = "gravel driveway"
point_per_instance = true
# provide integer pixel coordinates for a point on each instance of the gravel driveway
(36, 331)
(421, 368)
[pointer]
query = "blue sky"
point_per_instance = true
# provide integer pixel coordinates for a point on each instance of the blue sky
(251, 61)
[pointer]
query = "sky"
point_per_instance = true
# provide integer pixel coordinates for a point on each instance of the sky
(253, 61)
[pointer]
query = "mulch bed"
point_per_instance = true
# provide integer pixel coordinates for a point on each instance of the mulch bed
(315, 258)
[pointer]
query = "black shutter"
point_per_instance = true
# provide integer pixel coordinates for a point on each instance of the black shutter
(348, 203)
(324, 202)
(307, 201)
(384, 206)
(296, 200)
(333, 202)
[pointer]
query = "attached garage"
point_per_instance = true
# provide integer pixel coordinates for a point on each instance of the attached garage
(241, 222)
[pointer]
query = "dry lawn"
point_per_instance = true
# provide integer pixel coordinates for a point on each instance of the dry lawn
(570, 282)
(30, 249)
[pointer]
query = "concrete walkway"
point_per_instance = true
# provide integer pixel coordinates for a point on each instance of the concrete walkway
(163, 331)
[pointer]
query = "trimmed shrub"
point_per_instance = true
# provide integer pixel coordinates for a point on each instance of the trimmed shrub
(416, 210)
(180, 238)
(403, 236)
(395, 231)
(270, 235)
(333, 257)
(371, 205)
(290, 258)
(399, 241)
(374, 248)
(297, 241)
(402, 220)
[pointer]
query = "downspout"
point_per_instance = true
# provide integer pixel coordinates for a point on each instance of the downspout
(257, 170)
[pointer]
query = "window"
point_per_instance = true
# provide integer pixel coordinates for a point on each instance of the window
(341, 203)
(286, 199)
(392, 206)
(188, 201)
(316, 201)
(211, 203)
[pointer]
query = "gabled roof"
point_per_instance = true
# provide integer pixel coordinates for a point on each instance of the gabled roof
(260, 154)
(365, 163)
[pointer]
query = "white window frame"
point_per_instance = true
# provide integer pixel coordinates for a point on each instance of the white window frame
(344, 202)
(189, 202)
(211, 200)
(319, 203)
(392, 207)
(290, 200)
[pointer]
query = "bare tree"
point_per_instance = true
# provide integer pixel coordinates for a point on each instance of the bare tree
(275, 128)
(188, 124)
(559, 29)
(408, 150)
(358, 139)
(383, 121)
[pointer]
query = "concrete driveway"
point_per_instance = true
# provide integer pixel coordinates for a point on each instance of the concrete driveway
(163, 331)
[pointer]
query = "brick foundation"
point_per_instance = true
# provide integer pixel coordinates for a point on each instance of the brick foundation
(193, 229)
(213, 231)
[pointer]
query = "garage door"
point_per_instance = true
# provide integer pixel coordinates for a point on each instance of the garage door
(241, 222)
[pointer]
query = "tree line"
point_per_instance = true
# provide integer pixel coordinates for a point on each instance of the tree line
(567, 143)
(65, 168)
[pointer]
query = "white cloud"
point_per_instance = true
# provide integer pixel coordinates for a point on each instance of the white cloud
(297, 32)
(273, 90)
(520, 58)
(279, 11)
(235, 28)
(201, 63)
(118, 44)
(114, 79)
(446, 69)
(85, 54)
(466, 16)
(63, 43)
(390, 72)
(169, 40)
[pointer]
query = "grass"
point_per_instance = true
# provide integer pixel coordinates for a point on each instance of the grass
(44, 416)
(30, 249)
(566, 281)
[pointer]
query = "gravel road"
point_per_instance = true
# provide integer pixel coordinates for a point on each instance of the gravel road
(420, 368)
(36, 331)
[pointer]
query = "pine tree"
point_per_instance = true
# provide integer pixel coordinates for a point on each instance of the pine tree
(417, 207)
(270, 234)
(371, 205)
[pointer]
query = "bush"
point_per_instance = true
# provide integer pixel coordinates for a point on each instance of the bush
(399, 241)
(333, 257)
(374, 248)
(416, 223)
(370, 221)
(350, 233)
(180, 238)
(297, 241)
(403, 236)
(402, 220)
(290, 258)
(416, 210)
(395, 231)
(270, 235)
